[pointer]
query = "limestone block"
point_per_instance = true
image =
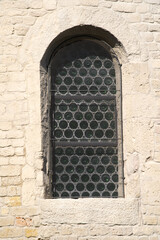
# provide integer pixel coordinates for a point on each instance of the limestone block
(33, 211)
(155, 63)
(20, 151)
(21, 4)
(154, 28)
(148, 18)
(3, 68)
(39, 164)
(4, 211)
(2, 108)
(28, 193)
(121, 231)
(14, 67)
(133, 18)
(16, 12)
(150, 189)
(106, 4)
(5, 142)
(155, 84)
(142, 8)
(132, 186)
(5, 126)
(157, 18)
(2, 134)
(39, 13)
(150, 220)
(47, 231)
(151, 210)
(6, 181)
(100, 230)
(154, 237)
(17, 19)
(154, 9)
(18, 142)
(143, 238)
(93, 3)
(110, 211)
(3, 77)
(22, 222)
(65, 230)
(80, 230)
(148, 37)
(16, 86)
(157, 38)
(2, 87)
(13, 201)
(21, 30)
(7, 151)
(15, 134)
(39, 178)
(32, 81)
(18, 211)
(49, 4)
(6, 221)
(28, 20)
(13, 190)
(31, 232)
(11, 50)
(132, 163)
(7, 232)
(4, 161)
(59, 237)
(11, 170)
(33, 145)
(35, 4)
(16, 77)
(153, 1)
(157, 157)
(36, 221)
(6, 30)
(28, 172)
(3, 191)
(124, 7)
(17, 160)
(66, 3)
(21, 119)
(144, 230)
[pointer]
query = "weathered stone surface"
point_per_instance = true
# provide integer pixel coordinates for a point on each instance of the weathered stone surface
(28, 193)
(10, 170)
(11, 232)
(27, 28)
(86, 211)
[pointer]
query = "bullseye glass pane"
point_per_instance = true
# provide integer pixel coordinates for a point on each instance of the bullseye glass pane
(75, 177)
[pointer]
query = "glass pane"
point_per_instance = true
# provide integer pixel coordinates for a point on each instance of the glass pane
(84, 124)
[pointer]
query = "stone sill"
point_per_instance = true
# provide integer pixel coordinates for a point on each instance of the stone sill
(118, 211)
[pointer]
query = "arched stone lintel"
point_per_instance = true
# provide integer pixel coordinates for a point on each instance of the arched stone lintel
(79, 31)
(42, 34)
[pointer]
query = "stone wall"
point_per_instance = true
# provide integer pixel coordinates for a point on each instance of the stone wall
(27, 27)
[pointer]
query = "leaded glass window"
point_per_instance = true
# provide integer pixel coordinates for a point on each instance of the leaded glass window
(85, 121)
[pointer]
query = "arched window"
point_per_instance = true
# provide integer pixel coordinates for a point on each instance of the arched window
(85, 120)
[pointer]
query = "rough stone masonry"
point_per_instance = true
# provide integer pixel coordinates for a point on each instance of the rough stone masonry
(27, 27)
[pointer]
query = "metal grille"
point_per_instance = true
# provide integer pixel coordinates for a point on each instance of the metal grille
(84, 122)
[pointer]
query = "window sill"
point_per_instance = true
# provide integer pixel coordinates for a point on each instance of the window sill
(107, 211)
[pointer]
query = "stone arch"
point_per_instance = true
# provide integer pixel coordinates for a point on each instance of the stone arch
(47, 28)
(38, 41)
(62, 40)
(81, 30)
